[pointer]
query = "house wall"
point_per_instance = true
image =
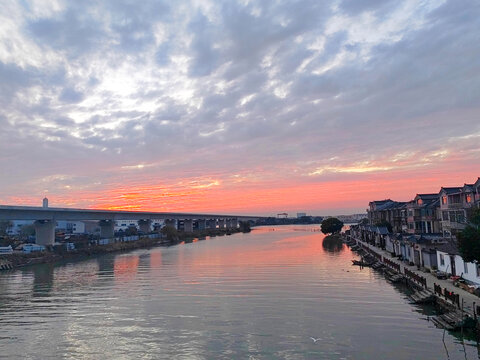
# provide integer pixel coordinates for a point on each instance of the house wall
(444, 266)
(429, 260)
(389, 246)
(71, 227)
(471, 270)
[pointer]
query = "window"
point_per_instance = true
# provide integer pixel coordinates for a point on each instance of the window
(453, 217)
(419, 202)
(442, 261)
(465, 268)
(468, 198)
(444, 200)
(445, 215)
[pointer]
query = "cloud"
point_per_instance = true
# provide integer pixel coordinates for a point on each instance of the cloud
(272, 91)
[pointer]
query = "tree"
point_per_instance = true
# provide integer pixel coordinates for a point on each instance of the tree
(131, 230)
(170, 232)
(469, 238)
(27, 230)
(386, 224)
(244, 226)
(4, 226)
(331, 226)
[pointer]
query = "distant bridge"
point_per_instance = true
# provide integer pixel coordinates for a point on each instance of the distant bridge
(45, 219)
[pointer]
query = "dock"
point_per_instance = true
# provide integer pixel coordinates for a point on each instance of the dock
(460, 306)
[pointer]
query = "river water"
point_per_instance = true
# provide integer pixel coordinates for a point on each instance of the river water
(262, 295)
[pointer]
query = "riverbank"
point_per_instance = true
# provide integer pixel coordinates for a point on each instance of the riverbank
(19, 259)
(459, 306)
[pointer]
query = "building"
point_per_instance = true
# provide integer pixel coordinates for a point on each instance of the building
(450, 262)
(70, 227)
(393, 212)
(422, 214)
(456, 205)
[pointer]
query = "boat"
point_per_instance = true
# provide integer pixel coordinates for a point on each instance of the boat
(362, 263)
(393, 276)
(454, 320)
(423, 297)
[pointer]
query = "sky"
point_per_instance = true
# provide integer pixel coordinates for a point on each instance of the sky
(237, 107)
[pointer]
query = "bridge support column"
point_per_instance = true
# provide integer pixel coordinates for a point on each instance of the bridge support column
(212, 223)
(188, 225)
(45, 232)
(221, 223)
(107, 229)
(202, 224)
(233, 223)
(145, 225)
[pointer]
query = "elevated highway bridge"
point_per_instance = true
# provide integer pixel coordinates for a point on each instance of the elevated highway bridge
(45, 219)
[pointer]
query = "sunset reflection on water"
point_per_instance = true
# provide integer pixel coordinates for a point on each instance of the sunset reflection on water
(260, 295)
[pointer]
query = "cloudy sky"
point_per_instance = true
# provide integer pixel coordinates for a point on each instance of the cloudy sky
(254, 107)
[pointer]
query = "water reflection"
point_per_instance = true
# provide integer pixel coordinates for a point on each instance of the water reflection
(258, 295)
(333, 244)
(125, 267)
(43, 279)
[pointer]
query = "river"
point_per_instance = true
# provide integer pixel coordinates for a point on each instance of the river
(262, 295)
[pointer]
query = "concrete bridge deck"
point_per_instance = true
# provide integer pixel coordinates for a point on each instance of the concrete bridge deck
(45, 219)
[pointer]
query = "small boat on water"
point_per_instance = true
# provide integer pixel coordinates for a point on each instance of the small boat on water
(362, 262)
(393, 276)
(378, 265)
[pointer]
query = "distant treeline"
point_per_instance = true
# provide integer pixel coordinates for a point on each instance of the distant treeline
(287, 221)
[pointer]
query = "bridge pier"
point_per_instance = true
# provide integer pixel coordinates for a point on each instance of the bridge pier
(221, 223)
(202, 224)
(212, 223)
(107, 229)
(145, 225)
(232, 223)
(45, 232)
(188, 225)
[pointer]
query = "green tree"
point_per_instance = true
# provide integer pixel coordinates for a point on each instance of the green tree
(244, 226)
(469, 238)
(131, 230)
(331, 226)
(170, 232)
(27, 230)
(4, 226)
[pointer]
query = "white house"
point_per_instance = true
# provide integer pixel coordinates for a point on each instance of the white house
(71, 227)
(450, 262)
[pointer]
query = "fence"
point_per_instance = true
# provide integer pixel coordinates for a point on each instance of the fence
(419, 279)
(123, 239)
(376, 255)
(392, 264)
(448, 295)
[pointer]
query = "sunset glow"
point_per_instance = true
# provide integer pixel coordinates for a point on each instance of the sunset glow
(237, 107)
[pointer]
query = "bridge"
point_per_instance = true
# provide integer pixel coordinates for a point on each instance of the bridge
(45, 219)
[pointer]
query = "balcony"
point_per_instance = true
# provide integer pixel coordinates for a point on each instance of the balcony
(454, 206)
